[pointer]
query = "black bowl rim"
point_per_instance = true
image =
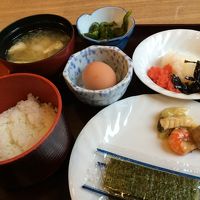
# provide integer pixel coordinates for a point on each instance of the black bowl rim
(19, 21)
(50, 130)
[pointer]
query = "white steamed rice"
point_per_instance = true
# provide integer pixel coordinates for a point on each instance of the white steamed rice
(23, 125)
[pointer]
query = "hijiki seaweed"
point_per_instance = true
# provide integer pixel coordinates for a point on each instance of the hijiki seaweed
(192, 84)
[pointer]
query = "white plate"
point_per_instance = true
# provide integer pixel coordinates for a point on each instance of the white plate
(130, 126)
(150, 50)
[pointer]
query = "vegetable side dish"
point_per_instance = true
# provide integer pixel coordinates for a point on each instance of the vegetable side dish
(177, 74)
(108, 30)
(179, 129)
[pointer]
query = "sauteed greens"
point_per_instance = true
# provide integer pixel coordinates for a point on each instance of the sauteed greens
(108, 30)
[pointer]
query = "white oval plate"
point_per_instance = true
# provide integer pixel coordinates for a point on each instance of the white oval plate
(150, 50)
(130, 126)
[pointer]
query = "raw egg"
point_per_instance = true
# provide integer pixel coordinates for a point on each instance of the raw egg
(98, 75)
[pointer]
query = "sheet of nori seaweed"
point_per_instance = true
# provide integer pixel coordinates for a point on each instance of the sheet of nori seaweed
(139, 182)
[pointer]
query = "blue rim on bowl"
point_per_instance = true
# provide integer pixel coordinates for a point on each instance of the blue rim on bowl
(94, 15)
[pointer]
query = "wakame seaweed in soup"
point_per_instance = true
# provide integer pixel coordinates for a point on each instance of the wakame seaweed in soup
(137, 182)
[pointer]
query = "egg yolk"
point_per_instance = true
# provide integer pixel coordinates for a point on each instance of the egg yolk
(98, 75)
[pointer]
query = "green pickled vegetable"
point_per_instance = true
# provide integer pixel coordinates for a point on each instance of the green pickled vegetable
(94, 27)
(138, 182)
(108, 30)
(124, 27)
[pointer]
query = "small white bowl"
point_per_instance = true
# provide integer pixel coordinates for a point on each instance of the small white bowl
(115, 58)
(151, 51)
(106, 14)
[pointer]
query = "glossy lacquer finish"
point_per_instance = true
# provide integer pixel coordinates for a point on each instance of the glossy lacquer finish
(77, 114)
(40, 161)
(46, 67)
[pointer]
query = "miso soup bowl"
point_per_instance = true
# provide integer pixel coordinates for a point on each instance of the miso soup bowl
(48, 66)
(46, 155)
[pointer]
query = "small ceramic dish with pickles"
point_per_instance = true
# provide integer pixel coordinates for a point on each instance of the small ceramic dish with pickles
(110, 26)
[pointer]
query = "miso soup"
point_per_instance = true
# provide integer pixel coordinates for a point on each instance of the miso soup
(37, 45)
